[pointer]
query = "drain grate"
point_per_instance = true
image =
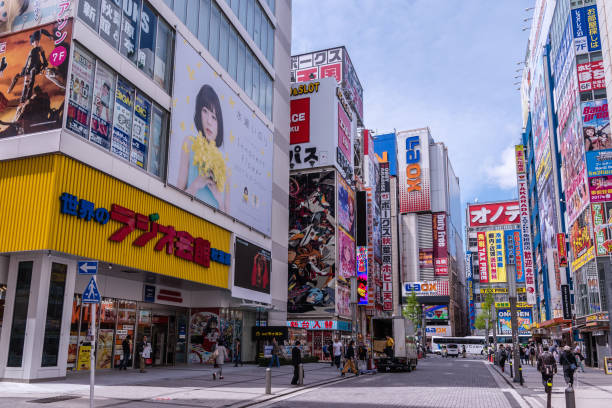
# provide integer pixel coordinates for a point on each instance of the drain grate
(59, 398)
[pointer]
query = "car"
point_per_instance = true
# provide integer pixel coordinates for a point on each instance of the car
(452, 350)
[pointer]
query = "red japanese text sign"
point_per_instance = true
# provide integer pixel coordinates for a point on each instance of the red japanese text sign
(502, 213)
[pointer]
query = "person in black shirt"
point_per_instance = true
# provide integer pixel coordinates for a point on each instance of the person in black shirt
(569, 363)
(350, 359)
(296, 360)
(126, 345)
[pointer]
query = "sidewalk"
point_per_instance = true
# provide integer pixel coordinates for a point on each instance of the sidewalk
(593, 388)
(189, 385)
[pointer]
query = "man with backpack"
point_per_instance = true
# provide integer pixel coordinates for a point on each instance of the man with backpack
(547, 366)
(568, 361)
(502, 357)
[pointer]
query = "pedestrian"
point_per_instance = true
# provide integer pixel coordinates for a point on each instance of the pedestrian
(522, 354)
(126, 346)
(389, 344)
(144, 352)
(362, 354)
(337, 352)
(463, 352)
(547, 366)
(579, 358)
(237, 353)
(502, 357)
(218, 357)
(568, 361)
(350, 359)
(444, 352)
(296, 360)
(532, 354)
(275, 354)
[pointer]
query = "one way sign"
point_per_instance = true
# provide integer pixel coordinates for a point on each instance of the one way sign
(87, 267)
(91, 293)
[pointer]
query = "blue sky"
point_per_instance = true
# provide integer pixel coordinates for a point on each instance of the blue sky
(446, 64)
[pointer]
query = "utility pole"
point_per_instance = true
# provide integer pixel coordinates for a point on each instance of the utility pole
(511, 272)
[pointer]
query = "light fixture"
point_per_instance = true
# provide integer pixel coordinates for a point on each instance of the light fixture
(110, 266)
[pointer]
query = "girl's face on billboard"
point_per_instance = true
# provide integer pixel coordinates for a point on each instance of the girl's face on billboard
(209, 123)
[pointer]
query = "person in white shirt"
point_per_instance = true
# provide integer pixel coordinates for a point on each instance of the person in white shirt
(337, 352)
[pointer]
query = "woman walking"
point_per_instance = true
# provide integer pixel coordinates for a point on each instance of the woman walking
(219, 356)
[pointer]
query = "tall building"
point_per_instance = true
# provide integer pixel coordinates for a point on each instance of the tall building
(567, 145)
(432, 259)
(150, 136)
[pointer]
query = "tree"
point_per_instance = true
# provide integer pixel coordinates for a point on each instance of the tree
(412, 310)
(486, 319)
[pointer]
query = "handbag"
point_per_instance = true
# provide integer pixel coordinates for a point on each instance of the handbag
(148, 361)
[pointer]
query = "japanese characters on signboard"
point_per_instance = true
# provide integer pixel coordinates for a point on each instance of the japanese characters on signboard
(591, 76)
(562, 250)
(346, 256)
(503, 213)
(385, 148)
(482, 257)
(602, 224)
(496, 256)
(362, 275)
(252, 267)
(346, 207)
(567, 100)
(510, 249)
(385, 232)
(470, 288)
(518, 255)
(504, 324)
(425, 258)
(311, 284)
(525, 217)
(343, 300)
(352, 86)
(222, 158)
(33, 76)
(596, 125)
(440, 244)
(539, 119)
(576, 195)
(18, 15)
(585, 28)
(413, 170)
(580, 235)
(322, 131)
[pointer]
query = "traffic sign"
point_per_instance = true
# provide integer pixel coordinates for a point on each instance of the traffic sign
(91, 294)
(87, 267)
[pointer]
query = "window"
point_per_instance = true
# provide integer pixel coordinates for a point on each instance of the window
(242, 12)
(88, 12)
(55, 308)
(130, 24)
(224, 42)
(20, 314)
(257, 27)
(122, 120)
(233, 53)
(103, 102)
(248, 74)
(263, 77)
(79, 97)
(157, 149)
(163, 55)
(256, 70)
(269, 97)
(193, 8)
(204, 24)
(599, 94)
(250, 16)
(241, 63)
(215, 21)
(140, 130)
(180, 10)
(148, 33)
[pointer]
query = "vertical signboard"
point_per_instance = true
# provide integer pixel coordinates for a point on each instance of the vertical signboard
(385, 232)
(362, 275)
(562, 250)
(586, 29)
(518, 255)
(523, 199)
(440, 249)
(413, 170)
(470, 289)
(497, 261)
(482, 257)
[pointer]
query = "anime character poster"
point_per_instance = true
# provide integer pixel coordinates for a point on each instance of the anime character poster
(252, 266)
(206, 328)
(343, 300)
(33, 71)
(346, 206)
(524, 319)
(17, 15)
(312, 255)
(219, 152)
(596, 125)
(346, 256)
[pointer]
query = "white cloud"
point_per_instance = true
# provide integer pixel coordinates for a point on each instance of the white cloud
(503, 174)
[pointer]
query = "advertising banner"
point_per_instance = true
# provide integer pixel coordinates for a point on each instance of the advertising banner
(362, 275)
(102, 109)
(562, 250)
(346, 207)
(482, 257)
(576, 194)
(312, 261)
(599, 163)
(18, 15)
(440, 242)
(600, 188)
(33, 75)
(496, 254)
(602, 224)
(252, 266)
(218, 152)
(413, 170)
(79, 96)
(343, 300)
(548, 216)
(518, 248)
(386, 269)
(585, 27)
(470, 288)
(426, 288)
(385, 148)
(580, 236)
(510, 249)
(524, 214)
(346, 256)
(596, 125)
(504, 324)
(435, 312)
(124, 107)
(540, 125)
(426, 258)
(206, 327)
(502, 213)
(591, 76)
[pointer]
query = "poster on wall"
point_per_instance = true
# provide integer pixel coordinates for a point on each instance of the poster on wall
(436, 312)
(602, 224)
(548, 216)
(122, 130)
(33, 75)
(79, 93)
(343, 302)
(102, 106)
(252, 266)
(312, 228)
(219, 152)
(346, 207)
(206, 327)
(580, 235)
(504, 325)
(440, 242)
(596, 125)
(425, 258)
(140, 131)
(585, 27)
(346, 256)
(20, 15)
(362, 275)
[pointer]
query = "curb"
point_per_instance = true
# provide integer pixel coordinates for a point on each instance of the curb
(507, 380)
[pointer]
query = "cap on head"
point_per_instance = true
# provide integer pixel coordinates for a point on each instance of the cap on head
(566, 348)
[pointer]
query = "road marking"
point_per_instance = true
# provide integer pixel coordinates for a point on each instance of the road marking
(534, 402)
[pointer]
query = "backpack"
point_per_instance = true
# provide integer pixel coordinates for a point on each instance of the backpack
(547, 367)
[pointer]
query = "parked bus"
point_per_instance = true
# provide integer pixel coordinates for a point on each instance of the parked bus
(473, 344)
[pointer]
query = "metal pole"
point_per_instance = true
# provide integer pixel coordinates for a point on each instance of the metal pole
(92, 356)
(494, 314)
(516, 356)
(608, 289)
(268, 381)
(570, 398)
(301, 375)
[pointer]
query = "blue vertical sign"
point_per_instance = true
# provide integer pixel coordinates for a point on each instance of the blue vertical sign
(470, 289)
(585, 27)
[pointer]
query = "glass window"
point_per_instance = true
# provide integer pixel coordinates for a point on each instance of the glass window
(89, 12)
(235, 4)
(180, 10)
(214, 32)
(79, 99)
(272, 5)
(256, 70)
(107, 316)
(129, 29)
(233, 53)
(157, 148)
(55, 308)
(599, 94)
(110, 22)
(243, 12)
(20, 314)
(224, 42)
(264, 36)
(140, 131)
(193, 10)
(263, 76)
(204, 24)
(257, 26)
(269, 97)
(248, 74)
(102, 109)
(250, 16)
(270, 53)
(241, 62)
(169, 3)
(148, 31)
(122, 119)
(163, 54)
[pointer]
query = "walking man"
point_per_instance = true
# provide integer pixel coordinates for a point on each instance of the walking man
(502, 357)
(237, 355)
(126, 346)
(350, 360)
(144, 352)
(275, 354)
(337, 352)
(547, 366)
(579, 358)
(296, 360)
(568, 361)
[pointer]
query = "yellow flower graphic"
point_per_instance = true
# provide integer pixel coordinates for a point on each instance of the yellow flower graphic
(209, 160)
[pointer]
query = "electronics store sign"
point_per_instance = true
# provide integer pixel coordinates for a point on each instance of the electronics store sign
(420, 288)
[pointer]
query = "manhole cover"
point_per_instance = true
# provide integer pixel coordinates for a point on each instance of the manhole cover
(55, 399)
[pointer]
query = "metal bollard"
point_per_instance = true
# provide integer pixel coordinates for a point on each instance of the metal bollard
(521, 375)
(549, 395)
(268, 381)
(570, 398)
(511, 370)
(301, 375)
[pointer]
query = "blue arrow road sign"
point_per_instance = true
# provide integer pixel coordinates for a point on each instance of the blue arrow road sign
(91, 294)
(87, 267)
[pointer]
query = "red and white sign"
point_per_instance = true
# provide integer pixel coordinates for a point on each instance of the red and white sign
(300, 121)
(591, 76)
(523, 200)
(386, 269)
(344, 132)
(504, 213)
(482, 257)
(170, 295)
(440, 249)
